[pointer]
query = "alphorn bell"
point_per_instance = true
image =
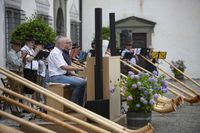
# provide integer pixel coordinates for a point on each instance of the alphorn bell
(48, 108)
(43, 115)
(26, 123)
(183, 84)
(193, 99)
(181, 72)
(107, 124)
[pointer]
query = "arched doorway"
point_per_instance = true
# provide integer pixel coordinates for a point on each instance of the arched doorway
(60, 22)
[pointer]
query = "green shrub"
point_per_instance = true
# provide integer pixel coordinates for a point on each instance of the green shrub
(36, 27)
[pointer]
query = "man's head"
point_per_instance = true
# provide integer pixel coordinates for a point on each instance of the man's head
(30, 41)
(63, 42)
(16, 46)
(128, 45)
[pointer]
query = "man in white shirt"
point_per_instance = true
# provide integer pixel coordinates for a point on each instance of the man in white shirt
(58, 68)
(130, 50)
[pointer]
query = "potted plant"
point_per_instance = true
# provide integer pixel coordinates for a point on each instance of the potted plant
(141, 92)
(181, 66)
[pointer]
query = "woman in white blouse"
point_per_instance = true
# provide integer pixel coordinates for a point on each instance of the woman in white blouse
(30, 65)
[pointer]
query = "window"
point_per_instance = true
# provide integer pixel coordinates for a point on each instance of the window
(13, 17)
(74, 24)
(125, 36)
(75, 34)
(46, 18)
(139, 40)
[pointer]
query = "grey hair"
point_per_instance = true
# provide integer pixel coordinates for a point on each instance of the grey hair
(57, 39)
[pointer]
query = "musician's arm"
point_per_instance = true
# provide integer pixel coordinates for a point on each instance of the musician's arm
(71, 68)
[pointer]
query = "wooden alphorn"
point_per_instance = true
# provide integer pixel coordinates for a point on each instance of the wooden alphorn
(176, 87)
(112, 126)
(48, 108)
(21, 121)
(43, 115)
(192, 99)
(183, 84)
(6, 129)
(181, 72)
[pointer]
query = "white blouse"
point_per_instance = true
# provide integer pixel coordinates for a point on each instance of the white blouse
(33, 65)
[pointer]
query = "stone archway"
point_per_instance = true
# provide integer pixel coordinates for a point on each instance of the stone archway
(60, 22)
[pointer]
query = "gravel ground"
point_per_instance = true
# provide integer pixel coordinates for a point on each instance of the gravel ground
(185, 120)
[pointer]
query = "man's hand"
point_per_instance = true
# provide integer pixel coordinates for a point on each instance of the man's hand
(81, 69)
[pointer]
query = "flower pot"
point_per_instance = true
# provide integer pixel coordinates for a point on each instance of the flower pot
(179, 76)
(136, 120)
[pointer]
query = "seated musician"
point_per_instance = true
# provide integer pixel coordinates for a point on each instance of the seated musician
(15, 64)
(58, 69)
(128, 53)
(30, 64)
(67, 57)
(91, 52)
(149, 66)
(14, 59)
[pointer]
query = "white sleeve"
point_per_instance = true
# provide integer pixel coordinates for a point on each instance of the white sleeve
(123, 53)
(58, 60)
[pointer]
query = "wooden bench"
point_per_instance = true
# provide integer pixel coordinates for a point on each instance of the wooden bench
(63, 90)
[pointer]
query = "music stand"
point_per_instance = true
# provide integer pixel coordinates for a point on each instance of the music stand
(128, 55)
(159, 55)
(42, 54)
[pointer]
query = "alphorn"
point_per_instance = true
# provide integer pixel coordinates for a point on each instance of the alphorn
(182, 72)
(43, 115)
(48, 108)
(26, 123)
(192, 99)
(174, 86)
(166, 107)
(7, 129)
(181, 83)
(110, 125)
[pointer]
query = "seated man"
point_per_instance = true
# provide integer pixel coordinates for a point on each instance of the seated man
(14, 61)
(15, 64)
(58, 68)
(128, 53)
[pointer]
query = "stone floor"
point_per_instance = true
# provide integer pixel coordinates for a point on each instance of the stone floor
(185, 120)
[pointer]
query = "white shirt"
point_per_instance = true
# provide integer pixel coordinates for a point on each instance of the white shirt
(55, 61)
(132, 60)
(33, 64)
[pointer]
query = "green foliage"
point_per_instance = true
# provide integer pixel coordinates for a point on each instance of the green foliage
(106, 33)
(36, 27)
(142, 91)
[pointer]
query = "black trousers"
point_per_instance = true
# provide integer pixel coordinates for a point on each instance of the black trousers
(31, 75)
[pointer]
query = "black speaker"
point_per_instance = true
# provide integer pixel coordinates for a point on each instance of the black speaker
(100, 107)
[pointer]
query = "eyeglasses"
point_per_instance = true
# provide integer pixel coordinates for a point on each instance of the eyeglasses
(69, 42)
